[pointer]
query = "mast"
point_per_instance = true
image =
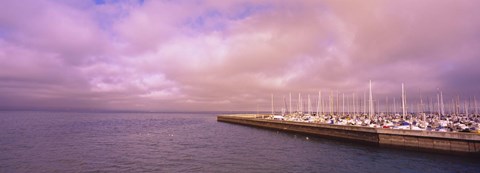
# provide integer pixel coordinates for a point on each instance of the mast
(364, 103)
(475, 104)
(432, 105)
(309, 105)
(442, 106)
(466, 108)
(318, 104)
(438, 102)
(386, 105)
(421, 104)
(343, 103)
(272, 104)
(370, 97)
(454, 111)
(457, 105)
(290, 104)
(411, 108)
(394, 107)
(324, 105)
(322, 108)
(299, 103)
(403, 102)
(354, 107)
(349, 107)
(331, 102)
(338, 101)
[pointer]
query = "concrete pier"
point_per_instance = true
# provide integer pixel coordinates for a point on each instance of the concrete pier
(445, 142)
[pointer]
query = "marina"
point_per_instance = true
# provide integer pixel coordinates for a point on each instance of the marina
(441, 142)
(336, 108)
(430, 126)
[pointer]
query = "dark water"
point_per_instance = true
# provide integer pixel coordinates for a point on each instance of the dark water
(169, 142)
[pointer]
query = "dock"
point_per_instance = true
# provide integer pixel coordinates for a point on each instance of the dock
(442, 142)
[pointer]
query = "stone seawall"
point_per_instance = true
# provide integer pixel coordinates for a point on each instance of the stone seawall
(450, 142)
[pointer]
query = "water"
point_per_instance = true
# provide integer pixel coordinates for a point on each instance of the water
(188, 142)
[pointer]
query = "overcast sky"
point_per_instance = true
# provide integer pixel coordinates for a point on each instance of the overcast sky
(204, 55)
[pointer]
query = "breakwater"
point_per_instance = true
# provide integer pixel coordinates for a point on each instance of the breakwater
(446, 142)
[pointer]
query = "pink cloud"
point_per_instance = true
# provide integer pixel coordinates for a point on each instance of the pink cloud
(228, 55)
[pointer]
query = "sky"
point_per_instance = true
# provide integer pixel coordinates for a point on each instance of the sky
(216, 55)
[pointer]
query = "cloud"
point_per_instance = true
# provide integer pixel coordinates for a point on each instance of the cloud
(229, 55)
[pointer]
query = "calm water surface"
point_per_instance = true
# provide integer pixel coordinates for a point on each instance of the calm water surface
(189, 142)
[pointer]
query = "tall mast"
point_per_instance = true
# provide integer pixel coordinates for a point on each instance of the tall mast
(457, 104)
(394, 106)
(331, 102)
(349, 107)
(466, 108)
(322, 109)
(418, 108)
(454, 111)
(323, 106)
(442, 107)
(309, 105)
(430, 105)
(364, 103)
(475, 104)
(403, 102)
(299, 103)
(421, 104)
(272, 104)
(318, 103)
(290, 104)
(343, 103)
(438, 102)
(386, 105)
(338, 101)
(353, 102)
(370, 97)
(411, 108)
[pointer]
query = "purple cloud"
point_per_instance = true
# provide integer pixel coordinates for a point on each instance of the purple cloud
(230, 55)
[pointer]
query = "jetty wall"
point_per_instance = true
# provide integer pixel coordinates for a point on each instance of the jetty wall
(449, 142)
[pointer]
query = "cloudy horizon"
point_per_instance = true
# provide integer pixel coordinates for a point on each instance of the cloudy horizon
(208, 55)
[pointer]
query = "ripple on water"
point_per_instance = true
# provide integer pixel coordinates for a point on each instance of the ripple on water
(174, 142)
